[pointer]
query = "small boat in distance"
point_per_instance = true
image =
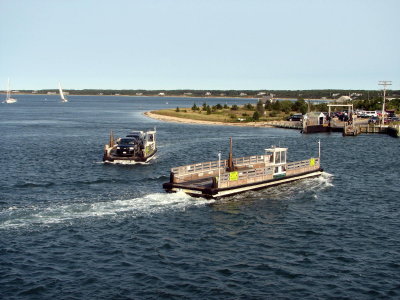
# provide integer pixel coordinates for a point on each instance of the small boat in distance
(221, 178)
(9, 100)
(63, 98)
(136, 147)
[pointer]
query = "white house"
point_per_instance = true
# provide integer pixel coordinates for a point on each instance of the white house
(315, 118)
(344, 99)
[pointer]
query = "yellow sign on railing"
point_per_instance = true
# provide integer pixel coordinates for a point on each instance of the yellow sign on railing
(312, 162)
(233, 176)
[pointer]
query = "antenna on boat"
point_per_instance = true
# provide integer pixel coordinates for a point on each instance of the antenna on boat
(111, 141)
(230, 160)
(319, 150)
(219, 168)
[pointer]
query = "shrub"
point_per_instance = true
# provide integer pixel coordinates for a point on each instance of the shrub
(234, 107)
(273, 113)
(256, 116)
(177, 109)
(248, 106)
(276, 106)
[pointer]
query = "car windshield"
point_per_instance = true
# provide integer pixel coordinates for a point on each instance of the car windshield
(127, 141)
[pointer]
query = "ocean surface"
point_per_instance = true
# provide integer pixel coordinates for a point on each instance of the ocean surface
(72, 227)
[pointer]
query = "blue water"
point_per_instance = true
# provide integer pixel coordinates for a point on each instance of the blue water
(74, 228)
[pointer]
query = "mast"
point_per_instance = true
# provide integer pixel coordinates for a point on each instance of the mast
(111, 141)
(319, 150)
(230, 160)
(219, 168)
(8, 90)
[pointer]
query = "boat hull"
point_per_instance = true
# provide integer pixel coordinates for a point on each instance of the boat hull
(10, 100)
(128, 159)
(223, 192)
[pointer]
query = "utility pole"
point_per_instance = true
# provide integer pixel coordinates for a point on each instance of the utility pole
(384, 83)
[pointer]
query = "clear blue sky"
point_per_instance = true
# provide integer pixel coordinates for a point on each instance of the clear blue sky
(199, 44)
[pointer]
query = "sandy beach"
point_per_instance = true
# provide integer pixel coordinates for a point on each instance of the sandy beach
(199, 122)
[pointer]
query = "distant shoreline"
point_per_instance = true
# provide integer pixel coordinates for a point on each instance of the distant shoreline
(141, 96)
(170, 96)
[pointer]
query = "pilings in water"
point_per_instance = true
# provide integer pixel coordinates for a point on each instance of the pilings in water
(372, 128)
(351, 130)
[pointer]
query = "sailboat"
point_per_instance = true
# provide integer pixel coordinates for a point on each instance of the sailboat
(63, 98)
(8, 97)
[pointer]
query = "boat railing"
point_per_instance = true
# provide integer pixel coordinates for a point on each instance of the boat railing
(250, 160)
(302, 164)
(258, 174)
(246, 174)
(198, 168)
(213, 165)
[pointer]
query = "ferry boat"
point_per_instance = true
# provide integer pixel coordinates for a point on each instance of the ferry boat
(137, 146)
(221, 178)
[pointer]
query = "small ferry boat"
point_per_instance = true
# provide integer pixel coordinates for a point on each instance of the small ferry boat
(137, 146)
(221, 178)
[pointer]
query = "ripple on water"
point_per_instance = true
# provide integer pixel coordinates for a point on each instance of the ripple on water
(73, 227)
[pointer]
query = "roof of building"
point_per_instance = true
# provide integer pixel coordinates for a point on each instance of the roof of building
(344, 98)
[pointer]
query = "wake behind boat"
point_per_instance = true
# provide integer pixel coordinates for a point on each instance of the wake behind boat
(221, 178)
(9, 100)
(137, 146)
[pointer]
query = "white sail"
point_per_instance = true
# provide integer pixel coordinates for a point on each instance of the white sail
(8, 90)
(63, 99)
(8, 97)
